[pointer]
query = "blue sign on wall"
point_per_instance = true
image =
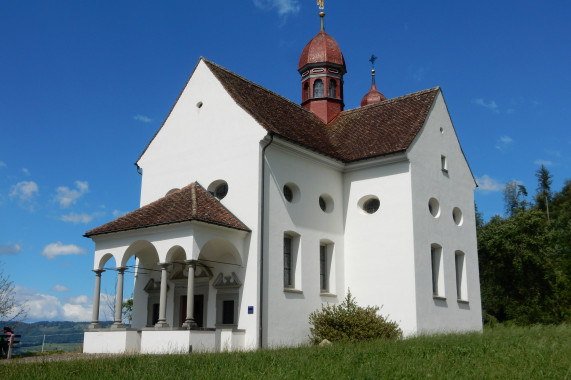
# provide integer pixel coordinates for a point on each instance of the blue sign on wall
(250, 309)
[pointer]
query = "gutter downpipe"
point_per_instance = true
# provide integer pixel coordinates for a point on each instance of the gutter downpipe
(262, 213)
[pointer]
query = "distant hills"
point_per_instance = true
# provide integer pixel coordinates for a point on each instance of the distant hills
(52, 336)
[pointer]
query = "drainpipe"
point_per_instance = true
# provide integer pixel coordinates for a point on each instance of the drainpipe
(262, 212)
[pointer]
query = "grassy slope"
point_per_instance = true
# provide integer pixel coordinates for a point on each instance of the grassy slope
(540, 352)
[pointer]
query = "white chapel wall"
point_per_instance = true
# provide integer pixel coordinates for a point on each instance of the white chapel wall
(217, 140)
(286, 321)
(379, 250)
(452, 188)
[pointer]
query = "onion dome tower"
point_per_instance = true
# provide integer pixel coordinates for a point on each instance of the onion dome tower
(374, 95)
(322, 67)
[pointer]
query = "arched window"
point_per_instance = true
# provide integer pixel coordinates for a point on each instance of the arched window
(306, 91)
(332, 88)
(318, 89)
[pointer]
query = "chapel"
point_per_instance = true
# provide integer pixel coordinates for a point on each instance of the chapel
(256, 210)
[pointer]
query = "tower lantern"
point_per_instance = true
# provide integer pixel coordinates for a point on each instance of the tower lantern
(322, 67)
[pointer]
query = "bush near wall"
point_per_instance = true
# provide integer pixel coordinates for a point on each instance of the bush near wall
(349, 322)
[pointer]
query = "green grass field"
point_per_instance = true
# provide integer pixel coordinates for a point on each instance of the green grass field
(538, 352)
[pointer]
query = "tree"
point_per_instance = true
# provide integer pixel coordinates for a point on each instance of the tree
(523, 274)
(127, 311)
(10, 308)
(544, 195)
(514, 197)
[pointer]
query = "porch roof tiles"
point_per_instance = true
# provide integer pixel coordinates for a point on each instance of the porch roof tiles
(191, 203)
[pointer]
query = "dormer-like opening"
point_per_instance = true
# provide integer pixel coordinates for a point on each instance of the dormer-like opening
(305, 91)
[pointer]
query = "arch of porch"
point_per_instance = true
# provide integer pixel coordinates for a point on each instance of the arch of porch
(156, 250)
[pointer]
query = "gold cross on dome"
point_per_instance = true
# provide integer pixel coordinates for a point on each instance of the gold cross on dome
(320, 3)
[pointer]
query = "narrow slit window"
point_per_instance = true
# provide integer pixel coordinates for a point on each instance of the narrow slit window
(437, 272)
(323, 268)
(288, 279)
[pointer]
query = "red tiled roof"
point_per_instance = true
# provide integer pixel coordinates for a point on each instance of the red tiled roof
(375, 130)
(192, 203)
(322, 48)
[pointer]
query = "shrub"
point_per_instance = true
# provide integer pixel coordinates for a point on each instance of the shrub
(350, 322)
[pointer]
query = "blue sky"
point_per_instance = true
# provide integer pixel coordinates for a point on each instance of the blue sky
(84, 85)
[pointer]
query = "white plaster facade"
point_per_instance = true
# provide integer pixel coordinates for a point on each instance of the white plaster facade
(384, 258)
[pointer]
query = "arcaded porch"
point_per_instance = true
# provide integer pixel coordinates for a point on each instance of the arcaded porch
(188, 282)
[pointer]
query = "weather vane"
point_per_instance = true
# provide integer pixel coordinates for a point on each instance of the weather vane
(320, 3)
(372, 60)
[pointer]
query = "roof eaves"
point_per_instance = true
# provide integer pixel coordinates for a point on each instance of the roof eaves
(246, 229)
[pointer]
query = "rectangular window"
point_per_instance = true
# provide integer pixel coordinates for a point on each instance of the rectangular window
(444, 164)
(323, 277)
(288, 276)
(437, 272)
(461, 288)
(228, 312)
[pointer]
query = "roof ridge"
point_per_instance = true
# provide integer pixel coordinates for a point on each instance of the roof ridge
(257, 85)
(392, 100)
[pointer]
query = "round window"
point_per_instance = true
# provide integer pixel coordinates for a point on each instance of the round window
(291, 192)
(221, 190)
(218, 188)
(288, 193)
(371, 206)
(322, 204)
(434, 207)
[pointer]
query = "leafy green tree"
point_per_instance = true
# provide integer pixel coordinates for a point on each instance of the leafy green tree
(515, 196)
(522, 270)
(127, 310)
(350, 322)
(544, 195)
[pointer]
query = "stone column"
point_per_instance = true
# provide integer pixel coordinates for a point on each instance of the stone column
(96, 300)
(189, 322)
(162, 322)
(119, 299)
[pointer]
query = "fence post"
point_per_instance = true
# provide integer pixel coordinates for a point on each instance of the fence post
(44, 341)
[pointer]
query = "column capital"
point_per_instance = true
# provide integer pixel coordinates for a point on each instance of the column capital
(98, 271)
(121, 269)
(191, 263)
(164, 265)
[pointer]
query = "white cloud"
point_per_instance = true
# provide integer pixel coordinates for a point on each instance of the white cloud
(492, 105)
(44, 307)
(66, 196)
(543, 162)
(81, 300)
(77, 218)
(25, 190)
(78, 313)
(485, 183)
(284, 7)
(26, 171)
(117, 213)
(60, 288)
(10, 249)
(51, 251)
(144, 119)
(503, 142)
